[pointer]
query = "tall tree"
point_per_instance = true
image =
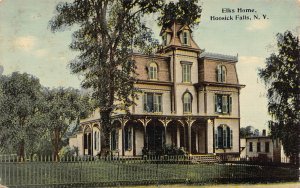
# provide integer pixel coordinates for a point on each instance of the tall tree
(64, 107)
(282, 79)
(183, 12)
(246, 131)
(20, 117)
(107, 32)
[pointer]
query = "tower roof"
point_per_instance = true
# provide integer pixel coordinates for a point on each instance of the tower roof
(175, 32)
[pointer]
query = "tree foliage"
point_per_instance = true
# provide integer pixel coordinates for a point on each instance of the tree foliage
(20, 111)
(183, 12)
(108, 31)
(282, 76)
(246, 131)
(34, 119)
(63, 108)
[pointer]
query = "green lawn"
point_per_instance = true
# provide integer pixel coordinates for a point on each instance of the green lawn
(103, 172)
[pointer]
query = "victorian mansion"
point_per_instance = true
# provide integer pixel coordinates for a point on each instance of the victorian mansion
(189, 99)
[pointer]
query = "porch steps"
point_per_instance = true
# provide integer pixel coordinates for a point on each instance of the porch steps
(204, 158)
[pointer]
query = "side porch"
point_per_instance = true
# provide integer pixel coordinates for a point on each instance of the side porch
(138, 135)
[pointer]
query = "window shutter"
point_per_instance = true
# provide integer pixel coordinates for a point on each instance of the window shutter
(224, 138)
(231, 138)
(216, 139)
(219, 73)
(129, 138)
(216, 103)
(230, 104)
(117, 139)
(225, 104)
(223, 74)
(145, 102)
(159, 103)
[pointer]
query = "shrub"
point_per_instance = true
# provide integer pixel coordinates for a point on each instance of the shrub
(67, 151)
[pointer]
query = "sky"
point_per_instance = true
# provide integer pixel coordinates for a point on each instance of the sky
(28, 45)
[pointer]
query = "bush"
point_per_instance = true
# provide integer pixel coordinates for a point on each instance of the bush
(166, 150)
(67, 151)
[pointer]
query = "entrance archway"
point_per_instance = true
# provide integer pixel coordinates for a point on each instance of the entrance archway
(175, 134)
(198, 138)
(155, 135)
(87, 141)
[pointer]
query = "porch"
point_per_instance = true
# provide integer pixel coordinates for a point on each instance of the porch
(139, 134)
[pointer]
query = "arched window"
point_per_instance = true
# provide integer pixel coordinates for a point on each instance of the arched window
(99, 143)
(187, 102)
(95, 141)
(221, 73)
(153, 71)
(223, 137)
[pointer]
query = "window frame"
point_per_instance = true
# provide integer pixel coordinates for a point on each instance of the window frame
(186, 72)
(258, 147)
(223, 103)
(185, 38)
(221, 73)
(157, 101)
(128, 138)
(114, 140)
(267, 144)
(250, 146)
(153, 71)
(188, 104)
(165, 39)
(223, 137)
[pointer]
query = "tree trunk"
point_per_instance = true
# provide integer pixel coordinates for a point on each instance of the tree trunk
(106, 128)
(55, 144)
(21, 151)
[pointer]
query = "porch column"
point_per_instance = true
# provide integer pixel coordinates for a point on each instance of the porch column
(133, 140)
(123, 123)
(144, 122)
(190, 139)
(189, 122)
(210, 136)
(123, 139)
(178, 136)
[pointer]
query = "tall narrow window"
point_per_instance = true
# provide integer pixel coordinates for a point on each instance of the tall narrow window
(152, 102)
(95, 140)
(114, 140)
(258, 147)
(99, 141)
(185, 38)
(128, 138)
(187, 103)
(153, 71)
(223, 137)
(267, 147)
(164, 39)
(221, 73)
(186, 72)
(250, 146)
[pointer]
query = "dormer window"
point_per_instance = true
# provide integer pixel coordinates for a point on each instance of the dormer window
(153, 71)
(164, 39)
(221, 73)
(185, 38)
